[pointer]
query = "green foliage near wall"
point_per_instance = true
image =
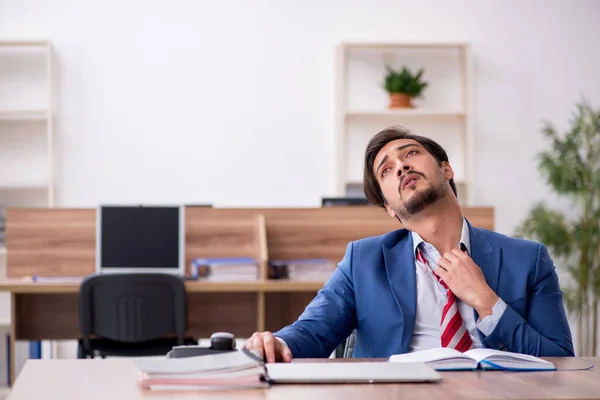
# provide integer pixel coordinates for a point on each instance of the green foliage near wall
(571, 168)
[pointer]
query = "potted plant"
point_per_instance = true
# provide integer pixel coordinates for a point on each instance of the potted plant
(403, 86)
(571, 167)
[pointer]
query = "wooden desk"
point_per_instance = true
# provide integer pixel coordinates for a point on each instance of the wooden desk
(49, 310)
(117, 379)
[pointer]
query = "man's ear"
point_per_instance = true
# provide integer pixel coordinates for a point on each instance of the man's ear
(390, 212)
(448, 171)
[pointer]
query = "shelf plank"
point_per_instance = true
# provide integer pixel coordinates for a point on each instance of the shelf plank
(24, 43)
(23, 186)
(406, 45)
(23, 115)
(292, 286)
(407, 112)
(69, 285)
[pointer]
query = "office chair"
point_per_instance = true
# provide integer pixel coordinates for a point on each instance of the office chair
(346, 348)
(131, 315)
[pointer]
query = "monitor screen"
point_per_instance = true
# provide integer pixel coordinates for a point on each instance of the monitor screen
(344, 201)
(144, 238)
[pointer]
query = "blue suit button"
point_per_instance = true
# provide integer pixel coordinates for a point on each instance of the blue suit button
(500, 345)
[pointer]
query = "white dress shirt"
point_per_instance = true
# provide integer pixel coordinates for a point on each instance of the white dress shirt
(431, 297)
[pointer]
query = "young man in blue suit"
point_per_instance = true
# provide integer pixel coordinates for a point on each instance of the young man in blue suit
(438, 282)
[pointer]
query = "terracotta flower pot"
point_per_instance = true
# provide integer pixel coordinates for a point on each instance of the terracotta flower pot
(400, 100)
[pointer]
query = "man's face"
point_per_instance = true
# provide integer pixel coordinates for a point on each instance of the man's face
(410, 177)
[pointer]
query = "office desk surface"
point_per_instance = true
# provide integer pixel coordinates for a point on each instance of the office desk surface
(117, 379)
(56, 285)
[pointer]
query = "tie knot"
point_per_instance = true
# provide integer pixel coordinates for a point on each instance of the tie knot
(421, 258)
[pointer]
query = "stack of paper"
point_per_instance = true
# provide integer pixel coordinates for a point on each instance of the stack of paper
(224, 371)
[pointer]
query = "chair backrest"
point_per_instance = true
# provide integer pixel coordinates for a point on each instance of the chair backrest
(349, 345)
(132, 308)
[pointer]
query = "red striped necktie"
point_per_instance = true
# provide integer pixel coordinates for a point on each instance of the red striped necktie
(454, 333)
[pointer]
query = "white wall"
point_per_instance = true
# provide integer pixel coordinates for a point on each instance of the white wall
(232, 102)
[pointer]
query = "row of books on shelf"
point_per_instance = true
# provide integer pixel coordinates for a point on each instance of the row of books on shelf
(247, 269)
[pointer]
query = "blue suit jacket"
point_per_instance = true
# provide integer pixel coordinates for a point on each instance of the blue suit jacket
(373, 290)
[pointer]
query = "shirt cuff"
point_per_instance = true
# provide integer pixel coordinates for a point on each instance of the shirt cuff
(282, 341)
(489, 322)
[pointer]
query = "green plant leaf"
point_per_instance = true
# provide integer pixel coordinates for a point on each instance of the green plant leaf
(404, 81)
(549, 227)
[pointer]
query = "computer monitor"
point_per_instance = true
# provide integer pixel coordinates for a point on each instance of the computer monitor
(344, 201)
(140, 239)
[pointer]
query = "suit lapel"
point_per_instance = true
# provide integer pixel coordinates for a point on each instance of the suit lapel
(400, 268)
(487, 257)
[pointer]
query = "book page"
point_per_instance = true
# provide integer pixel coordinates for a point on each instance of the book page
(492, 354)
(442, 353)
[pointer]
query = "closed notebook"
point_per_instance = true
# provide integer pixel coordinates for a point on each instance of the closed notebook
(224, 371)
(446, 359)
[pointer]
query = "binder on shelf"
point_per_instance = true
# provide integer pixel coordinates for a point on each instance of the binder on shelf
(35, 350)
(8, 359)
(310, 269)
(221, 269)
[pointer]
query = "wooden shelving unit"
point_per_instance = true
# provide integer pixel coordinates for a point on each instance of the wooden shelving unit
(444, 113)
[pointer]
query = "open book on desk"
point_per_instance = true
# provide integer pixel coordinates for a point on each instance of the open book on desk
(447, 359)
(224, 371)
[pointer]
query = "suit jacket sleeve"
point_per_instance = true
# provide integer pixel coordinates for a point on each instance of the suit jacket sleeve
(544, 332)
(328, 319)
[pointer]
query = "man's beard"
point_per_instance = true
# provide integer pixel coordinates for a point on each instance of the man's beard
(421, 200)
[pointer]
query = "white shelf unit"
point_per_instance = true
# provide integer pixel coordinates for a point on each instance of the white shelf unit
(26, 145)
(26, 123)
(444, 113)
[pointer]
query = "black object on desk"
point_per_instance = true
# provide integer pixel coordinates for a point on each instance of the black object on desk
(220, 342)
